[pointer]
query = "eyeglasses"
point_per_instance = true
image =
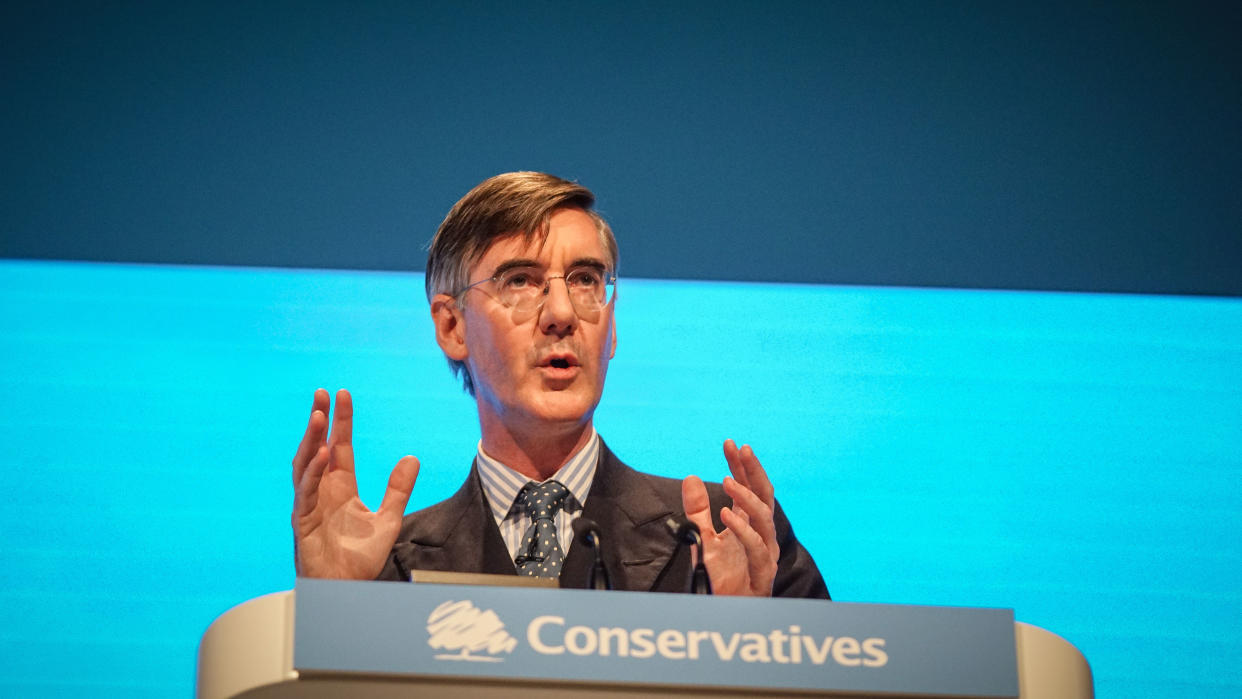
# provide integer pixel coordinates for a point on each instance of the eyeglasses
(525, 288)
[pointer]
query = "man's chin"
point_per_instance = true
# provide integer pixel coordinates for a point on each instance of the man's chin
(564, 406)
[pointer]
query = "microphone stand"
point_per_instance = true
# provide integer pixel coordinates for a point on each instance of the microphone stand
(687, 533)
(587, 531)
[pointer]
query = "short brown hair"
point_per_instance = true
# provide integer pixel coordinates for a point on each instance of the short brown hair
(514, 203)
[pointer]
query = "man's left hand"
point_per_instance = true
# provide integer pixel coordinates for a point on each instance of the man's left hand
(741, 560)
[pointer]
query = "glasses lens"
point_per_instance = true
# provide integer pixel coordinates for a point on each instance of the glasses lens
(521, 287)
(526, 288)
(588, 288)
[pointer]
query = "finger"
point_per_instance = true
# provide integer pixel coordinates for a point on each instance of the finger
(756, 477)
(400, 485)
(697, 505)
(314, 435)
(757, 514)
(759, 564)
(340, 440)
(734, 458)
(306, 496)
(342, 419)
(740, 513)
(312, 440)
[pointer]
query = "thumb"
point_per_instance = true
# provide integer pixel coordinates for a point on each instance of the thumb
(695, 502)
(400, 485)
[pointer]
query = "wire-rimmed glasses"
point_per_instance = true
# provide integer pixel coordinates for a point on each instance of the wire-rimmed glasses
(524, 288)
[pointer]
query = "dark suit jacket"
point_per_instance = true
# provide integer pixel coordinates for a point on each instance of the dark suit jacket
(460, 534)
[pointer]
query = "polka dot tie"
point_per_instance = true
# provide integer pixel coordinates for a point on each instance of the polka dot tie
(540, 554)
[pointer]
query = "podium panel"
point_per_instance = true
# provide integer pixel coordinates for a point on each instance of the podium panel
(341, 647)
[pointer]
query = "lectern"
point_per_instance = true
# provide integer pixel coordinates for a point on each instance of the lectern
(332, 638)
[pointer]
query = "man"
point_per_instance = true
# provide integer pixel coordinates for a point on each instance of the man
(520, 277)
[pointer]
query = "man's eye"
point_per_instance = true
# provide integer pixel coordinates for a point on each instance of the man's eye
(584, 279)
(517, 280)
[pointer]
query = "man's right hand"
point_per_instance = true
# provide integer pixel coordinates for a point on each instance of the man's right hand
(334, 534)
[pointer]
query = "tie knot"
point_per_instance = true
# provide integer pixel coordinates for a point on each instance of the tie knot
(542, 500)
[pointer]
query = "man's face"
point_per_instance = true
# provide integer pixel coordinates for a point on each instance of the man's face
(536, 368)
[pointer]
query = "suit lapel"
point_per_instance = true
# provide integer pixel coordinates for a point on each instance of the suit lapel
(460, 534)
(630, 513)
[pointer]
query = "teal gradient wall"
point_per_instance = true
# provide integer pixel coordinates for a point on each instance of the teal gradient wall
(1073, 456)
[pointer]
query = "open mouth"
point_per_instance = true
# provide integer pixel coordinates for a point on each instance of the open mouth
(559, 363)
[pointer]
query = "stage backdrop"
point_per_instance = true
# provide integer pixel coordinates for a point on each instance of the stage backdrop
(1073, 456)
(1050, 144)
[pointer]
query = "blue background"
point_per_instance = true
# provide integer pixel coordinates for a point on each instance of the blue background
(1071, 455)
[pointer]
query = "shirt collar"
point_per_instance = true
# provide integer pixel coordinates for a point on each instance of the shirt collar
(502, 484)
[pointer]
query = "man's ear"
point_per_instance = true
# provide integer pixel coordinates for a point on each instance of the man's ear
(450, 326)
(612, 352)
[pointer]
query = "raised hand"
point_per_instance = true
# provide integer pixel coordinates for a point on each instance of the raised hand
(334, 534)
(741, 559)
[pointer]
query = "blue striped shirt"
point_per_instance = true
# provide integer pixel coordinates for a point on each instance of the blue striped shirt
(502, 484)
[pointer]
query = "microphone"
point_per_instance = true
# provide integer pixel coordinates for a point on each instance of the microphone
(687, 534)
(587, 531)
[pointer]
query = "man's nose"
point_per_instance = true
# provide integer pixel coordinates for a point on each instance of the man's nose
(558, 314)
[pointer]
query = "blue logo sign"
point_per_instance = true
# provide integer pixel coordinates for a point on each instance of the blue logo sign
(667, 639)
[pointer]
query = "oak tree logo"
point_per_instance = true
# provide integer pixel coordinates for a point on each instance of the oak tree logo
(466, 629)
